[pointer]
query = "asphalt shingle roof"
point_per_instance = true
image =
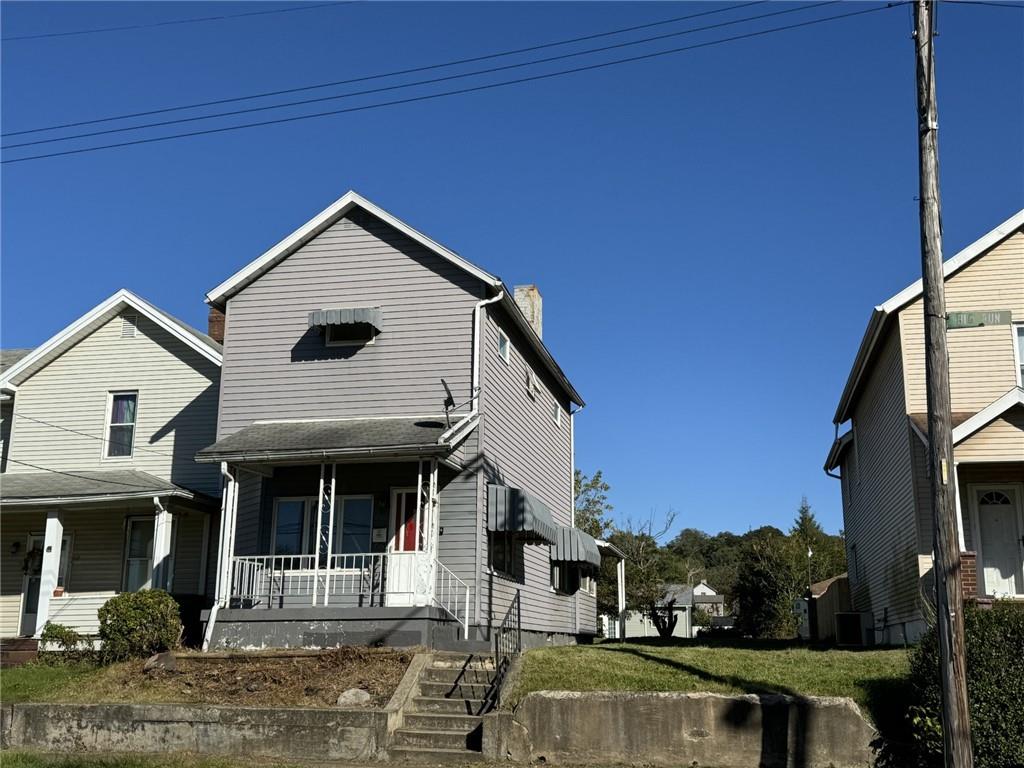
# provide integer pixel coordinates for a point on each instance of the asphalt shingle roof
(9, 357)
(326, 437)
(74, 486)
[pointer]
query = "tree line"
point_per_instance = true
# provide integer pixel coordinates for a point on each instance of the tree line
(760, 572)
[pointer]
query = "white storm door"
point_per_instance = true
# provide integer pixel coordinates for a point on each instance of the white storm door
(1000, 539)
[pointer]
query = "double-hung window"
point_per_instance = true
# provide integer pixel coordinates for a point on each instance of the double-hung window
(504, 347)
(1019, 341)
(122, 413)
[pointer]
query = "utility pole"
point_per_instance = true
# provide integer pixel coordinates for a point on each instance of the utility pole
(956, 725)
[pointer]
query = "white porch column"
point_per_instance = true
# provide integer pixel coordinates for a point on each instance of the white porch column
(620, 574)
(52, 541)
(162, 563)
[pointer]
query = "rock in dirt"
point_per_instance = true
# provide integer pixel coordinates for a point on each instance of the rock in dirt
(158, 662)
(354, 697)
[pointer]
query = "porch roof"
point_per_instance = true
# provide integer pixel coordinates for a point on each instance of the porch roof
(575, 546)
(267, 441)
(41, 488)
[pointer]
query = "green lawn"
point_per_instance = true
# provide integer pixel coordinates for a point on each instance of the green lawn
(874, 679)
(41, 682)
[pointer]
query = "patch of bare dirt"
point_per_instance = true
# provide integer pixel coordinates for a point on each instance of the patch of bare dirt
(263, 679)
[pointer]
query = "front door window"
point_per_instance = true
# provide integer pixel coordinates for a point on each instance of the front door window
(1000, 541)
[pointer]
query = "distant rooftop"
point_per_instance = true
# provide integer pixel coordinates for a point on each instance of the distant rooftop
(9, 357)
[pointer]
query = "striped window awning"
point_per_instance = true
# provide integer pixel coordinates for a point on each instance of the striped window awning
(347, 316)
(513, 510)
(574, 546)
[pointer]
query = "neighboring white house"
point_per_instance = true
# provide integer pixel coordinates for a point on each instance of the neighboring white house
(100, 493)
(685, 600)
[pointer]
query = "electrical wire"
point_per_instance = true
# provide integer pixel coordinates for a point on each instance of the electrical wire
(80, 476)
(442, 94)
(394, 73)
(86, 434)
(223, 17)
(414, 84)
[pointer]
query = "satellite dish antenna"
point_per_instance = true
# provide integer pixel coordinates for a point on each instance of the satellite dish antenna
(449, 401)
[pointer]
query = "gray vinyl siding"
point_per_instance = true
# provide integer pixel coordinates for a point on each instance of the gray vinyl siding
(879, 517)
(456, 547)
(15, 528)
(275, 367)
(177, 407)
(523, 447)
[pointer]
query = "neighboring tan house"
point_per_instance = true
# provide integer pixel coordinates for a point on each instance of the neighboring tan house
(684, 600)
(100, 493)
(397, 446)
(881, 456)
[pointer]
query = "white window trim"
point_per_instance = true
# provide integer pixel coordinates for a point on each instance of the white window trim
(506, 356)
(328, 343)
(308, 508)
(1018, 333)
(128, 521)
(556, 413)
(105, 444)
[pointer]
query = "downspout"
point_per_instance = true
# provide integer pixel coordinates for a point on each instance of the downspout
(473, 411)
(222, 531)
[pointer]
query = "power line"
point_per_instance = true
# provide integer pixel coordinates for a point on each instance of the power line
(223, 17)
(86, 434)
(382, 75)
(430, 81)
(460, 91)
(983, 2)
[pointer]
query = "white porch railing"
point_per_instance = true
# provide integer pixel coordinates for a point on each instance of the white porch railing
(356, 580)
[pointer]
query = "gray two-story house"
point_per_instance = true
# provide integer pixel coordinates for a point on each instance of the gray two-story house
(396, 444)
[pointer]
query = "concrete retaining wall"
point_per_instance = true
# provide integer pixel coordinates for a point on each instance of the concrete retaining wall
(296, 734)
(681, 729)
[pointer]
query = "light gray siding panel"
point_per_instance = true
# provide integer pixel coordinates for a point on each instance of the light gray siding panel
(525, 448)
(6, 417)
(60, 412)
(457, 544)
(247, 530)
(880, 516)
(277, 368)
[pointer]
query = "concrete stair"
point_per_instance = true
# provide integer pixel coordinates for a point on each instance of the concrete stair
(444, 723)
(19, 650)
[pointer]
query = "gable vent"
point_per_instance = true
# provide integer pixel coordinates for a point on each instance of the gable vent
(129, 326)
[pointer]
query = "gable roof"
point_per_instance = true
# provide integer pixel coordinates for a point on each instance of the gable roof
(55, 346)
(988, 414)
(252, 271)
(883, 312)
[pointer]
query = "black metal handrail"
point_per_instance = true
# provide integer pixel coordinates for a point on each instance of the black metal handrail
(508, 637)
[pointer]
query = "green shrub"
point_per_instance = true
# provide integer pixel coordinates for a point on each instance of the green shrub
(139, 624)
(995, 679)
(768, 582)
(61, 637)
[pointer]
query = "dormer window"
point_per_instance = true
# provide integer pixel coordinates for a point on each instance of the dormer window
(348, 326)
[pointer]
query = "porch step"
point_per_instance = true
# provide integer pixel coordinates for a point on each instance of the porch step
(436, 756)
(442, 721)
(453, 675)
(459, 690)
(415, 737)
(440, 704)
(17, 651)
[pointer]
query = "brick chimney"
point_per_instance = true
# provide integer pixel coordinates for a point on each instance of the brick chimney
(532, 306)
(215, 325)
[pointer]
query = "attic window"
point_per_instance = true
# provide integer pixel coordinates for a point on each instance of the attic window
(129, 326)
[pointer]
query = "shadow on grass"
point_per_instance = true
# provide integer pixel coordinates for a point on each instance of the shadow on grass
(886, 699)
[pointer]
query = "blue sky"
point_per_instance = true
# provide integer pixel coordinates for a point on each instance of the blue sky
(709, 229)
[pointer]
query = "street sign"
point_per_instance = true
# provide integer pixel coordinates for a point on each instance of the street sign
(978, 319)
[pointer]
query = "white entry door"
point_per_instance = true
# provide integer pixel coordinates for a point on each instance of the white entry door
(404, 547)
(33, 577)
(999, 527)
